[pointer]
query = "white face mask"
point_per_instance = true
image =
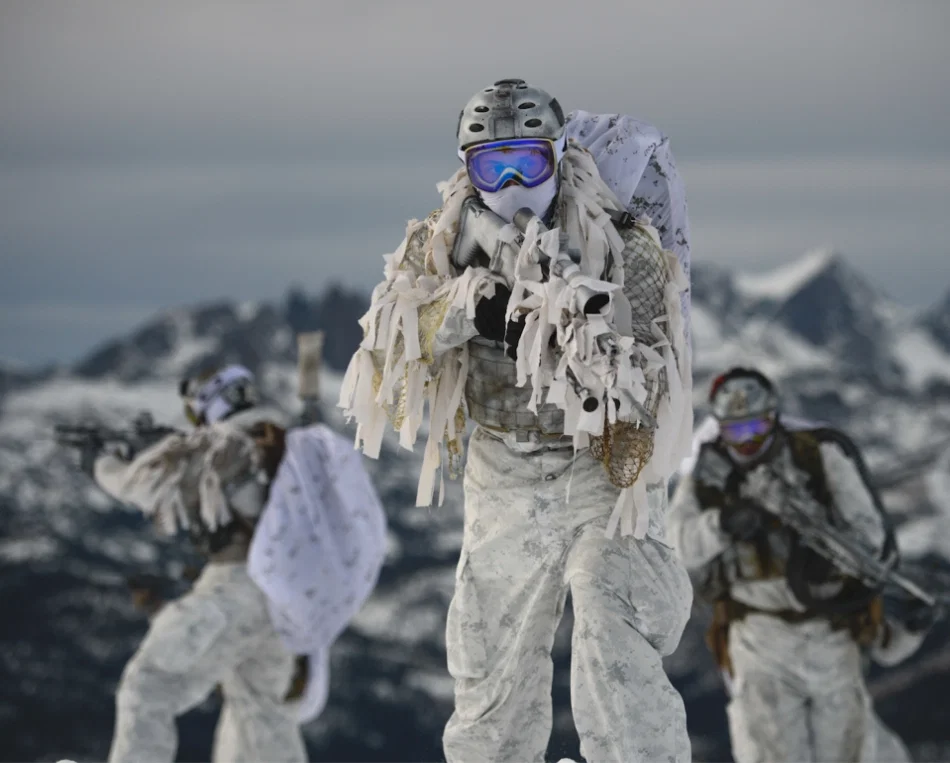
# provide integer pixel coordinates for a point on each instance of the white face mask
(506, 201)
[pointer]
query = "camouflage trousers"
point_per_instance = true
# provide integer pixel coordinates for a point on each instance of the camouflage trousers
(218, 634)
(525, 547)
(798, 694)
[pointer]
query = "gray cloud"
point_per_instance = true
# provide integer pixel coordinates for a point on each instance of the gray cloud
(850, 76)
(155, 154)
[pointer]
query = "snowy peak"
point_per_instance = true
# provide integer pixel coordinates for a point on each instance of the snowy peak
(180, 342)
(922, 349)
(936, 322)
(784, 282)
(811, 312)
(183, 341)
(826, 302)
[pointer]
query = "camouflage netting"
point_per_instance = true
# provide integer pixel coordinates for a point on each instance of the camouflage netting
(626, 447)
(624, 450)
(645, 278)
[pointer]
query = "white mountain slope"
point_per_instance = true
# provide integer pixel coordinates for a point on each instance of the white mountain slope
(839, 350)
(782, 283)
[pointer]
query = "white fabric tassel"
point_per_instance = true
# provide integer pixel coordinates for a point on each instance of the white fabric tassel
(596, 357)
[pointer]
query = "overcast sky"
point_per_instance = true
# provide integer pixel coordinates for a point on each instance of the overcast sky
(162, 153)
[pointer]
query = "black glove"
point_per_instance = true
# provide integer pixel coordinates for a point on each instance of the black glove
(490, 314)
(922, 617)
(595, 304)
(490, 321)
(513, 332)
(741, 519)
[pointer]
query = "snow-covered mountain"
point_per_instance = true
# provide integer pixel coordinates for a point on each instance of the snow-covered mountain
(840, 349)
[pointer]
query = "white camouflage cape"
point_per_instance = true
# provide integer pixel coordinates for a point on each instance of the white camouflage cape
(318, 549)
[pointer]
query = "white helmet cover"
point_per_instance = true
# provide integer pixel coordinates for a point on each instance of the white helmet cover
(227, 390)
(742, 393)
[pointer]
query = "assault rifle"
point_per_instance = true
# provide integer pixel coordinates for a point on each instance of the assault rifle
(91, 439)
(798, 510)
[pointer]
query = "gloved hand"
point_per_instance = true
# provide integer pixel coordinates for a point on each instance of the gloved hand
(741, 519)
(596, 303)
(490, 314)
(922, 617)
(513, 332)
(122, 450)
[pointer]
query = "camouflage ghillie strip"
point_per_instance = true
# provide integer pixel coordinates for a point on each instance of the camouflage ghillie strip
(416, 352)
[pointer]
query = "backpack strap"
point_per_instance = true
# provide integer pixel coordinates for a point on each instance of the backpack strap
(806, 455)
(828, 434)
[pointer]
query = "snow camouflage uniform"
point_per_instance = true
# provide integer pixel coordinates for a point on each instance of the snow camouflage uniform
(538, 519)
(218, 634)
(795, 678)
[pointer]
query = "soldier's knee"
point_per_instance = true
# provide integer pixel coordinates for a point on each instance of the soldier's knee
(658, 619)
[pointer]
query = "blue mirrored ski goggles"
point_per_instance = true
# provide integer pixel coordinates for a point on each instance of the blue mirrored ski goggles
(747, 430)
(528, 161)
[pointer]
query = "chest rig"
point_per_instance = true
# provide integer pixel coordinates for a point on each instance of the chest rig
(492, 394)
(718, 480)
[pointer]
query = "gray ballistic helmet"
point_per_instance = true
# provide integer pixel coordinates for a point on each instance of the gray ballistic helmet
(509, 109)
(742, 393)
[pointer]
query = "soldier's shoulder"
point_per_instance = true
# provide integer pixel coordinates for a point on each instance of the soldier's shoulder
(419, 231)
(713, 467)
(823, 435)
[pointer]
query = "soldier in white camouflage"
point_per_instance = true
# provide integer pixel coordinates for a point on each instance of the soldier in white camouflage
(220, 633)
(790, 630)
(488, 318)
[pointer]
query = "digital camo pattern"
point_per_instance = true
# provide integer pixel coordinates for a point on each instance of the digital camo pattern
(219, 633)
(528, 540)
(798, 693)
(852, 498)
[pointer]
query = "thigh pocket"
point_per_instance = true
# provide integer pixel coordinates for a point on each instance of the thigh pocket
(661, 594)
(465, 628)
(182, 633)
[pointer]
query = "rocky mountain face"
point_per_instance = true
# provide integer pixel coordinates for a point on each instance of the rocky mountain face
(839, 349)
